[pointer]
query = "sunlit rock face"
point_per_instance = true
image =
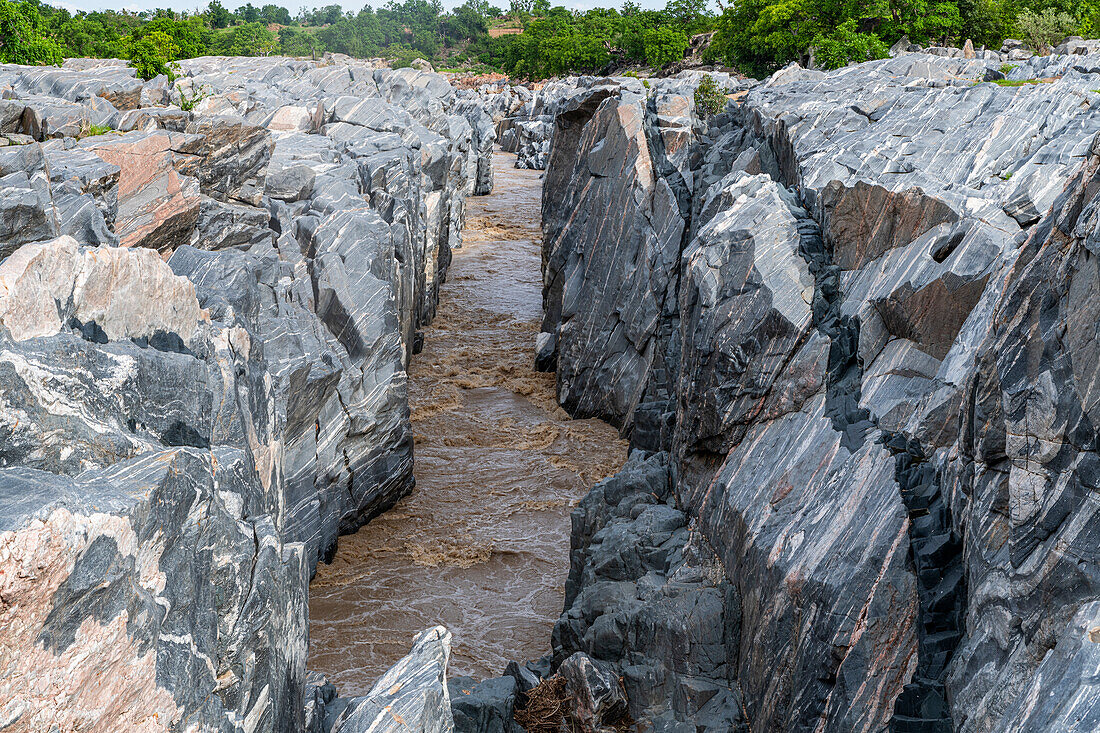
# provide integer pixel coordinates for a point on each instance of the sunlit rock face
(850, 313)
(189, 420)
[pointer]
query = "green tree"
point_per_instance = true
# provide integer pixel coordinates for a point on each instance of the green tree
(248, 14)
(217, 16)
(1045, 29)
(688, 16)
(189, 35)
(986, 22)
(923, 21)
(709, 100)
(664, 45)
(761, 36)
(297, 42)
(251, 39)
(275, 14)
(846, 44)
(151, 54)
(359, 36)
(22, 40)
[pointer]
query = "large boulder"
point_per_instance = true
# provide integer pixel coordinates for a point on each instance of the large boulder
(27, 212)
(122, 293)
(157, 204)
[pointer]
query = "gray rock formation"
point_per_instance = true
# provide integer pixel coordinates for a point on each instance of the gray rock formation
(188, 422)
(412, 696)
(815, 305)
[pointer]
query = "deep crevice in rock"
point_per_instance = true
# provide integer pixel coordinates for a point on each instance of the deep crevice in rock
(936, 551)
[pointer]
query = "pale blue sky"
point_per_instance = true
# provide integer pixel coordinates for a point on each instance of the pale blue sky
(294, 5)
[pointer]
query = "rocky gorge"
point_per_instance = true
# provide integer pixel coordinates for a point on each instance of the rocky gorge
(846, 325)
(207, 316)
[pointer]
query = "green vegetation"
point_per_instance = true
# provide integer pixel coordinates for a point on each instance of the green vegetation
(532, 38)
(188, 101)
(761, 36)
(151, 53)
(94, 130)
(709, 100)
(23, 37)
(1045, 29)
(1020, 82)
(1006, 69)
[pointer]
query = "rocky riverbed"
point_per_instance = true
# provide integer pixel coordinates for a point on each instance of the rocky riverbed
(481, 545)
(846, 328)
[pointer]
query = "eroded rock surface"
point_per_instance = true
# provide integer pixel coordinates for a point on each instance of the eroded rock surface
(189, 420)
(846, 315)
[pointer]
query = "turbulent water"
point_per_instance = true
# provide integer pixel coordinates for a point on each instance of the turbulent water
(482, 543)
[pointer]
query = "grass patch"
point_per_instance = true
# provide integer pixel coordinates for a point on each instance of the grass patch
(94, 130)
(1006, 69)
(1017, 82)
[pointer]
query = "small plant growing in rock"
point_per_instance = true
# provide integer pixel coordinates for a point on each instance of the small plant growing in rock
(187, 103)
(709, 99)
(1006, 69)
(94, 130)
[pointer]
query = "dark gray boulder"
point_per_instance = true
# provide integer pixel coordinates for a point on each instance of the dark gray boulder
(483, 707)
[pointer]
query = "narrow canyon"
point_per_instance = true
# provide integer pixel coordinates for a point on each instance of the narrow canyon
(481, 545)
(337, 398)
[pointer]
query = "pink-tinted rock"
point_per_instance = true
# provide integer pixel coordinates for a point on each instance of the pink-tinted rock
(157, 205)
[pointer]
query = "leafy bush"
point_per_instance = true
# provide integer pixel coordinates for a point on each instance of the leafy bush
(846, 44)
(217, 15)
(297, 42)
(403, 56)
(151, 54)
(189, 35)
(709, 99)
(761, 36)
(663, 45)
(1045, 29)
(251, 39)
(22, 40)
(359, 35)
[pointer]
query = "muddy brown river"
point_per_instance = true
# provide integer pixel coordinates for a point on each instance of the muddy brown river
(481, 545)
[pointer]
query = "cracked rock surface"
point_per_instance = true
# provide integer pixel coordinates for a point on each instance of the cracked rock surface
(846, 325)
(189, 420)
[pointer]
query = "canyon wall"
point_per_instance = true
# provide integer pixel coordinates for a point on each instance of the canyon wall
(847, 326)
(210, 294)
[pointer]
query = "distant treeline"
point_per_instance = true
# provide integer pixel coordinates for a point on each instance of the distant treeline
(755, 36)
